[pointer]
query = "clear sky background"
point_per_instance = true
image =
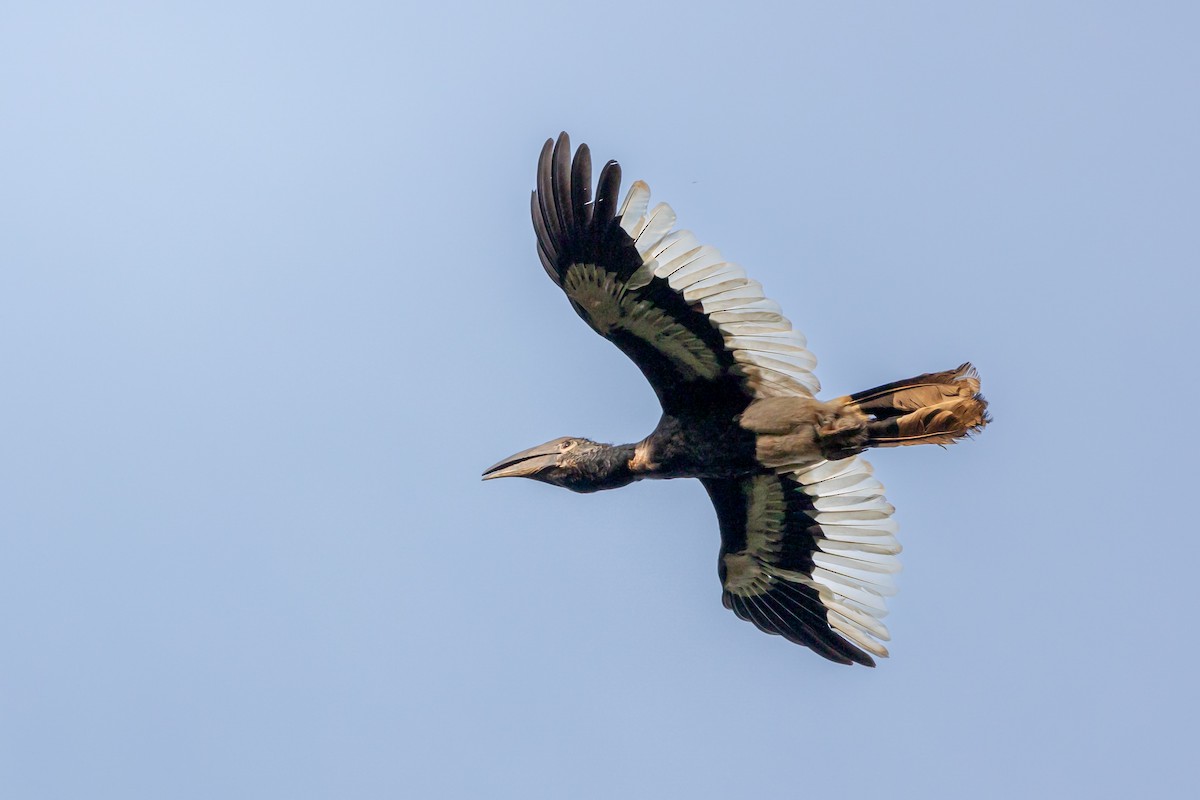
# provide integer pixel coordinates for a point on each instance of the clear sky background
(269, 303)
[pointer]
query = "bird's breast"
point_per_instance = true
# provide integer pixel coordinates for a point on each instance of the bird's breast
(696, 447)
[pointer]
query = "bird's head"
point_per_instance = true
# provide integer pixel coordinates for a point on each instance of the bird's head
(580, 465)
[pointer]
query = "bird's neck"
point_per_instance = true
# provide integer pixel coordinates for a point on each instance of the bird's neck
(607, 467)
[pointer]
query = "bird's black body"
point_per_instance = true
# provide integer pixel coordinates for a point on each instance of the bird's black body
(699, 442)
(807, 544)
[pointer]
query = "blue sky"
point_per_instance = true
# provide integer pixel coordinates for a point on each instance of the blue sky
(269, 303)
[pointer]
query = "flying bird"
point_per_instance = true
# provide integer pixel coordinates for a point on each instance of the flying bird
(808, 545)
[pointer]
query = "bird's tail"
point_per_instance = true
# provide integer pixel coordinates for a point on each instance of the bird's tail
(936, 408)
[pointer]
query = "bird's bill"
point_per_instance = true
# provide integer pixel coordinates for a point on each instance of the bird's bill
(526, 463)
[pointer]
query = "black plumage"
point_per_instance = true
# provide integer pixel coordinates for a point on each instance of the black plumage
(808, 545)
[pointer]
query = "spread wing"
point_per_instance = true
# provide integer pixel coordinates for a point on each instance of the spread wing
(810, 555)
(690, 320)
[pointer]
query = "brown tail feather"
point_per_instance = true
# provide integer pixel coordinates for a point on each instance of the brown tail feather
(935, 408)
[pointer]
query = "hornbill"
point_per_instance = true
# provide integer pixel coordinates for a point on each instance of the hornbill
(808, 546)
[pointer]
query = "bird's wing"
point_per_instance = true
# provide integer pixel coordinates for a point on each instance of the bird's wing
(810, 555)
(684, 315)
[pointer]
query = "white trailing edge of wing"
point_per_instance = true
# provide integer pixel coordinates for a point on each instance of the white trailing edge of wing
(772, 358)
(856, 561)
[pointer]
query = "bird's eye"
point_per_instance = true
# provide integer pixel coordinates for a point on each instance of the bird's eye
(567, 445)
